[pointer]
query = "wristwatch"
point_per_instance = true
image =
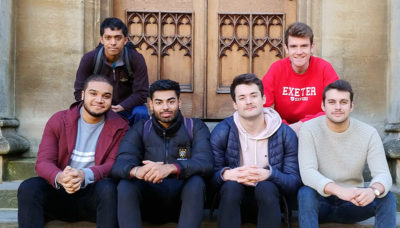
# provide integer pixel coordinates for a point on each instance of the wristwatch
(376, 191)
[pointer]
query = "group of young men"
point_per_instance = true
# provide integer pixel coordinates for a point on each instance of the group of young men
(91, 166)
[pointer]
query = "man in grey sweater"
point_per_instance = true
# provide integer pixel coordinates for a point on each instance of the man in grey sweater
(333, 150)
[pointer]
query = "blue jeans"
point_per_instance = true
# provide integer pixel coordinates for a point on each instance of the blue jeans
(163, 202)
(38, 200)
(314, 208)
(264, 197)
(138, 113)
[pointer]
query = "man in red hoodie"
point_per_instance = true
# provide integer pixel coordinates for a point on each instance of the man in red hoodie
(294, 85)
(77, 151)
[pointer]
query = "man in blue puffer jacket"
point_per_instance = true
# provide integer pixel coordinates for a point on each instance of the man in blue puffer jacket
(255, 157)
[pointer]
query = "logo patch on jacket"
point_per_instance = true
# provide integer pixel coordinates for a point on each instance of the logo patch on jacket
(182, 153)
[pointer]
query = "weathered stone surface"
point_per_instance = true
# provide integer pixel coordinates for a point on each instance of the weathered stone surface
(392, 148)
(19, 169)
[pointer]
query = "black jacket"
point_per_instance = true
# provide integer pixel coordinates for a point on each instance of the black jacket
(163, 145)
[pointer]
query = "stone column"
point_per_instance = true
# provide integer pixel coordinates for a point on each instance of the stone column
(392, 127)
(10, 141)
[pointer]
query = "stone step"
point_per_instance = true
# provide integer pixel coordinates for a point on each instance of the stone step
(9, 219)
(19, 169)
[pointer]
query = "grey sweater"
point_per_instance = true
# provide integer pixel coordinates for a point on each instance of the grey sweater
(326, 156)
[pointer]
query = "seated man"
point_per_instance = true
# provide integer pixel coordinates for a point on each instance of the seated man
(117, 59)
(77, 151)
(333, 150)
(294, 84)
(254, 153)
(161, 162)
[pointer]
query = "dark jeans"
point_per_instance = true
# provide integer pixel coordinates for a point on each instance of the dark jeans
(314, 208)
(161, 202)
(138, 113)
(38, 200)
(234, 196)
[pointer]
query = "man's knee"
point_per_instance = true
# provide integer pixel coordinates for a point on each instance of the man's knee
(32, 189)
(307, 196)
(127, 190)
(193, 187)
(106, 189)
(232, 191)
(389, 201)
(266, 187)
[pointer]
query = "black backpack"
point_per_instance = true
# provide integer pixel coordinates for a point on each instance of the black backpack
(98, 60)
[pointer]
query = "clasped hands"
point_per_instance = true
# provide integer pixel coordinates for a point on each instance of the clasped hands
(71, 179)
(153, 172)
(247, 175)
(358, 196)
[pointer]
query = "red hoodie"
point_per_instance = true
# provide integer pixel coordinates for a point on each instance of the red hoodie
(297, 97)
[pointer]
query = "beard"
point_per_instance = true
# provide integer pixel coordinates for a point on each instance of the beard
(94, 114)
(167, 120)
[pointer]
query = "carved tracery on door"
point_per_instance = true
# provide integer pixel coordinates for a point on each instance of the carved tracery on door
(169, 38)
(241, 38)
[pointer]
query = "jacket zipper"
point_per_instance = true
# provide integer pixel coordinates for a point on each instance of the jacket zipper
(166, 148)
(114, 74)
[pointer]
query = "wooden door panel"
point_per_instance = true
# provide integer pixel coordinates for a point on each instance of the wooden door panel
(238, 37)
(243, 37)
(171, 41)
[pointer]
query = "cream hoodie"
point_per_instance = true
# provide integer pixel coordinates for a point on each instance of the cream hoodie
(254, 148)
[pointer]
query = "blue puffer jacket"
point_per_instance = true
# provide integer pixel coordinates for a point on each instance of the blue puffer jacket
(282, 156)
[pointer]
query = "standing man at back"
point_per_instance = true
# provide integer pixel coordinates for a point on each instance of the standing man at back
(294, 84)
(117, 59)
(333, 151)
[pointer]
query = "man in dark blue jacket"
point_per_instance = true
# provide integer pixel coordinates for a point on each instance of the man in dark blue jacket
(255, 157)
(161, 163)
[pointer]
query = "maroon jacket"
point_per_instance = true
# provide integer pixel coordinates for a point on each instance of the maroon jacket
(59, 139)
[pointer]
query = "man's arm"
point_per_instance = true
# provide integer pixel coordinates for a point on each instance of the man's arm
(130, 153)
(201, 161)
(85, 69)
(140, 83)
(46, 162)
(219, 141)
(308, 163)
(378, 166)
(288, 178)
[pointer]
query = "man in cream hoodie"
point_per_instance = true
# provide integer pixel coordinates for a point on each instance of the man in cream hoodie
(255, 157)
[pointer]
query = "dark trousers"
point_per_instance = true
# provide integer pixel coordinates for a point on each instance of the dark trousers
(234, 196)
(161, 202)
(38, 200)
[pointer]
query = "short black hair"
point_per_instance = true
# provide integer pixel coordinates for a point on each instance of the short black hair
(299, 29)
(96, 78)
(246, 79)
(341, 85)
(113, 23)
(164, 84)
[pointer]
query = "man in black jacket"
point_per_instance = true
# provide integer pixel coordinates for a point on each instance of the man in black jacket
(161, 163)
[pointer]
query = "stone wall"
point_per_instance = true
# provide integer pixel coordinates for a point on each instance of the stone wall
(52, 35)
(49, 38)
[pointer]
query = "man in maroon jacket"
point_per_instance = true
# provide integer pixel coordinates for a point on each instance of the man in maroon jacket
(77, 151)
(117, 59)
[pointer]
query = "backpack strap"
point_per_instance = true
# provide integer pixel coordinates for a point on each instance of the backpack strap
(189, 127)
(97, 60)
(188, 122)
(146, 129)
(128, 62)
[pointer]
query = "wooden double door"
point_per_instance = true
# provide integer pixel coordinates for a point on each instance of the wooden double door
(204, 44)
